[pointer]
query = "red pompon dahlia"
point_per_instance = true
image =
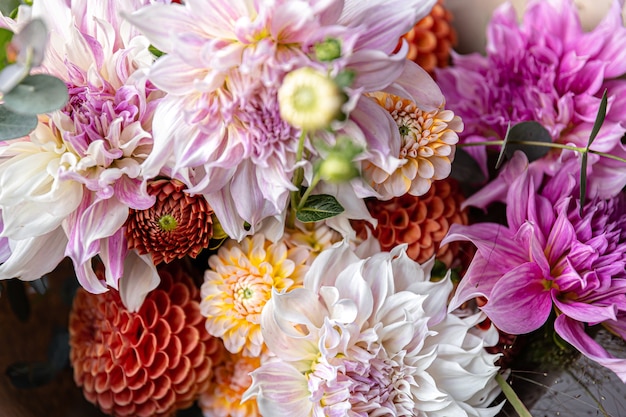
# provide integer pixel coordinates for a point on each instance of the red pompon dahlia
(177, 225)
(431, 39)
(421, 222)
(148, 363)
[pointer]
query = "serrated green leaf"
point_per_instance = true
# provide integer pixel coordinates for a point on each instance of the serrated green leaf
(319, 207)
(36, 94)
(8, 6)
(14, 125)
(530, 131)
(504, 145)
(465, 169)
(5, 38)
(599, 119)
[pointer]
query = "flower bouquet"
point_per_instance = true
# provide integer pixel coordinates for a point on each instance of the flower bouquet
(314, 207)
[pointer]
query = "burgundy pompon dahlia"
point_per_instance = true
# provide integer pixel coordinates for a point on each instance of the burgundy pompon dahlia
(176, 226)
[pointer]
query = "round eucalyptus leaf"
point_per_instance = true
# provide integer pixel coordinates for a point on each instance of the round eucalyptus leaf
(14, 125)
(36, 94)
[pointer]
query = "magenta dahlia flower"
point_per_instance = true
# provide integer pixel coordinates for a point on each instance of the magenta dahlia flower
(550, 258)
(546, 69)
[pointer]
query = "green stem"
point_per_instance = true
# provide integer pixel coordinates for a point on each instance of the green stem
(523, 142)
(307, 193)
(545, 145)
(608, 155)
(298, 177)
(510, 395)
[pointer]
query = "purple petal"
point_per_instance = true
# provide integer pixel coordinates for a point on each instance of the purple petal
(573, 332)
(519, 302)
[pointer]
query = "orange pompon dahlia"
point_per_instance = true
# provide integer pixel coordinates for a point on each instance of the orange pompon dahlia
(230, 380)
(431, 39)
(239, 283)
(148, 363)
(421, 222)
(177, 225)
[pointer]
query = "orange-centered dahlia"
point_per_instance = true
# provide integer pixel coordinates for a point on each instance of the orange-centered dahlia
(427, 148)
(177, 225)
(230, 380)
(148, 363)
(421, 222)
(239, 283)
(431, 39)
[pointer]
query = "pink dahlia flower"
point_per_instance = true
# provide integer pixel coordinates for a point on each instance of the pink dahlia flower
(71, 183)
(224, 64)
(548, 70)
(551, 259)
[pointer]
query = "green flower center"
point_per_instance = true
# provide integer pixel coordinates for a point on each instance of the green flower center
(247, 293)
(328, 50)
(168, 223)
(304, 98)
(404, 130)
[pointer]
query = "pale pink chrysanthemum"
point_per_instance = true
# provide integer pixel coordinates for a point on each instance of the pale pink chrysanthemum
(240, 281)
(84, 160)
(223, 66)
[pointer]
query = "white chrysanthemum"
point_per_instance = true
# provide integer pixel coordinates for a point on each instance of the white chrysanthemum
(371, 337)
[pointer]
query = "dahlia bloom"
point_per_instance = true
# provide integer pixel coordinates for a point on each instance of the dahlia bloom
(420, 222)
(231, 378)
(548, 70)
(239, 283)
(83, 162)
(177, 225)
(371, 337)
(550, 259)
(426, 151)
(148, 363)
(224, 64)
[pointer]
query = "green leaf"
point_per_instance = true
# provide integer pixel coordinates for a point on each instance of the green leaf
(14, 125)
(154, 51)
(528, 132)
(5, 38)
(583, 182)
(8, 6)
(319, 207)
(512, 397)
(36, 94)
(599, 119)
(505, 142)
(465, 169)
